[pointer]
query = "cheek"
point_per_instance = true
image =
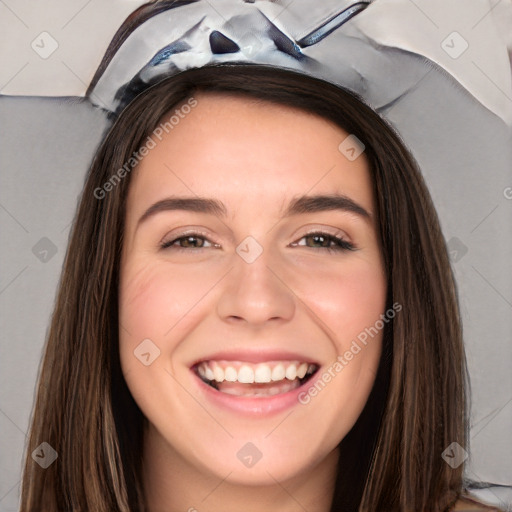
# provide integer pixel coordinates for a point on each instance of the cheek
(159, 303)
(349, 303)
(348, 299)
(154, 298)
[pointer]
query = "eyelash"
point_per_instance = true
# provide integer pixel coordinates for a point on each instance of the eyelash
(341, 243)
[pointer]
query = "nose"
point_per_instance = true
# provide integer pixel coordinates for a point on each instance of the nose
(256, 292)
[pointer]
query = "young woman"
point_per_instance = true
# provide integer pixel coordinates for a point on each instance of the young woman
(256, 312)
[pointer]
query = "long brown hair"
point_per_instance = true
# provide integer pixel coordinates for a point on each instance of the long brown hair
(390, 460)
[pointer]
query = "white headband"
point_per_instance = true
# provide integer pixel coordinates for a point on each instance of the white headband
(305, 35)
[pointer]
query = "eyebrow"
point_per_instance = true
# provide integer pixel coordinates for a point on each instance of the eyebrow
(300, 205)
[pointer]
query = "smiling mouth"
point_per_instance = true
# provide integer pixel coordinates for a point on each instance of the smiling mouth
(252, 380)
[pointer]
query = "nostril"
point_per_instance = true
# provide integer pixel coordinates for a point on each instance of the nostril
(219, 43)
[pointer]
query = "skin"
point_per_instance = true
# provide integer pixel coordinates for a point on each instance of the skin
(254, 157)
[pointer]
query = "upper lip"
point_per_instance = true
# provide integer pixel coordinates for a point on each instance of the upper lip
(261, 355)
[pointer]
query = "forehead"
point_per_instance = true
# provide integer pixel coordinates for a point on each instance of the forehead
(242, 150)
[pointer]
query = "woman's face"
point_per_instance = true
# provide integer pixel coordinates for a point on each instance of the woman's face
(243, 280)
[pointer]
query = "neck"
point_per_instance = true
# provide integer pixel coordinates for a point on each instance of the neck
(172, 484)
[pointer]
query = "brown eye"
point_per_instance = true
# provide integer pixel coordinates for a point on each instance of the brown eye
(191, 241)
(326, 241)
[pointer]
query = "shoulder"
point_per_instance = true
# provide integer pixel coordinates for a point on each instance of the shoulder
(467, 503)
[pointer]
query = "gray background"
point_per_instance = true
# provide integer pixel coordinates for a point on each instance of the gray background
(45, 148)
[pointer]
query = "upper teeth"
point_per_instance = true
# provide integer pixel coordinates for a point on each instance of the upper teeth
(247, 373)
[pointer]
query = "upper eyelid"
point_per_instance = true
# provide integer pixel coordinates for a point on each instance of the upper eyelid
(182, 234)
(311, 228)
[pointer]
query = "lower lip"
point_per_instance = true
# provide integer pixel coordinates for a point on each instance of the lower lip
(255, 405)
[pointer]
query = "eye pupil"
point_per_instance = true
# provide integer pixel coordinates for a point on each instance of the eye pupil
(191, 241)
(321, 239)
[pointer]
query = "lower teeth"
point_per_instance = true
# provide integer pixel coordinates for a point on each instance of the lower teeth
(252, 390)
(282, 387)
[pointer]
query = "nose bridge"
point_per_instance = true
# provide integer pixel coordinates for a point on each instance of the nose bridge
(255, 290)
